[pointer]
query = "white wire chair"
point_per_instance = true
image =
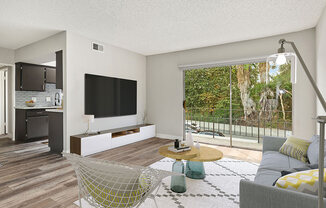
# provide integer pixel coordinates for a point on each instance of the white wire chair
(106, 184)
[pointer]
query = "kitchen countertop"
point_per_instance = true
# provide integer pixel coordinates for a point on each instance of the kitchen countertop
(54, 110)
(37, 107)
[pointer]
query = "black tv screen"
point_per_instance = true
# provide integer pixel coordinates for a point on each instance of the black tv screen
(108, 96)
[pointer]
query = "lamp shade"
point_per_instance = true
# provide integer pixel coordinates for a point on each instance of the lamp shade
(281, 59)
(90, 118)
(275, 61)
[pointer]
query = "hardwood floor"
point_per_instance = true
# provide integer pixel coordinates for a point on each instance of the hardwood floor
(32, 177)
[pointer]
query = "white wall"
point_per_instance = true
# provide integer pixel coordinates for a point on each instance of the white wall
(41, 51)
(321, 59)
(7, 56)
(165, 84)
(114, 62)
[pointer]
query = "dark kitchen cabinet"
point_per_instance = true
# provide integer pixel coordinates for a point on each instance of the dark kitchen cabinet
(56, 132)
(30, 77)
(20, 125)
(31, 124)
(50, 75)
(59, 69)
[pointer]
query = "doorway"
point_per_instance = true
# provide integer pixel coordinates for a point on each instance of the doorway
(3, 101)
(237, 105)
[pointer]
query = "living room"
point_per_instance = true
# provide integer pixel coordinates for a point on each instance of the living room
(149, 46)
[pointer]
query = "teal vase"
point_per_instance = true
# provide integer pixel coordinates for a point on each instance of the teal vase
(178, 183)
(195, 170)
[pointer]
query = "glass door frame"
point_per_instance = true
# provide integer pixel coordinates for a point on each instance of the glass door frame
(211, 65)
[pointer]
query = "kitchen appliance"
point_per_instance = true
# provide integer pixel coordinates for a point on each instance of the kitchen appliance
(37, 124)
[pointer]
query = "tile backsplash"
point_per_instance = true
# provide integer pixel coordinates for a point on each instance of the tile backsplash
(50, 90)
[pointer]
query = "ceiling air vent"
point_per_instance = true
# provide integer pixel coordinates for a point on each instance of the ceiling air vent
(97, 47)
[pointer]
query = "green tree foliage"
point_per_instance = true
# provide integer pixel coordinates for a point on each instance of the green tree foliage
(283, 81)
(207, 90)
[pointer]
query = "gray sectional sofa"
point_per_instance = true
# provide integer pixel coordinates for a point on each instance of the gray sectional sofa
(261, 193)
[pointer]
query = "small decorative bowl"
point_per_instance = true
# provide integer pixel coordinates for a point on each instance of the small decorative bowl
(30, 104)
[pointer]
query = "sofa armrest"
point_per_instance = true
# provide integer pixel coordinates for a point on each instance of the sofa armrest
(272, 143)
(254, 195)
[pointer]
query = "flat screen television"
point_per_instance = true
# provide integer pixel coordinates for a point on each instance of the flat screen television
(109, 96)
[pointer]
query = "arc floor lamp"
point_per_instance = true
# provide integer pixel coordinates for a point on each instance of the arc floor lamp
(281, 59)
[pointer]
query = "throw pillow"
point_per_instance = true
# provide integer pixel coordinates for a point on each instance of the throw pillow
(303, 181)
(292, 170)
(283, 173)
(313, 150)
(296, 148)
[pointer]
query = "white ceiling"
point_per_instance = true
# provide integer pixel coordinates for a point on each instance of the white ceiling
(155, 26)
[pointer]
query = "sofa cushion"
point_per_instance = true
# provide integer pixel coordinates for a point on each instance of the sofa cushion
(273, 160)
(296, 148)
(294, 163)
(272, 164)
(267, 177)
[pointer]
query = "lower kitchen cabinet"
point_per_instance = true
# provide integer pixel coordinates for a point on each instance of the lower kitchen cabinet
(31, 124)
(56, 131)
(39, 123)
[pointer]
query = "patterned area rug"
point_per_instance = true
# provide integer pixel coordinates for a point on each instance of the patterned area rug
(220, 188)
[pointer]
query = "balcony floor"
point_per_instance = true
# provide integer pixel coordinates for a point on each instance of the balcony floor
(241, 142)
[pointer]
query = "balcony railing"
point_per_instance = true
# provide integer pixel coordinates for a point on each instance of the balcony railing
(249, 125)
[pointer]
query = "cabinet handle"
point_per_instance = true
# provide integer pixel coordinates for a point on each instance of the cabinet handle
(21, 77)
(43, 86)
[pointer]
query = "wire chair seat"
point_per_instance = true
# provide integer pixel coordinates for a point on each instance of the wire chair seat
(105, 184)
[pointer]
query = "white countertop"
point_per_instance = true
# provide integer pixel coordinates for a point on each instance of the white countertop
(37, 107)
(54, 110)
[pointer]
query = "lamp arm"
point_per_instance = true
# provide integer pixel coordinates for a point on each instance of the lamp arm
(320, 119)
(305, 68)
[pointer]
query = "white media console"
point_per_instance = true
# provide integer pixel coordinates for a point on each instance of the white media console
(85, 144)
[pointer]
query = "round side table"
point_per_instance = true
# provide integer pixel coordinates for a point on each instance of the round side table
(195, 166)
(178, 183)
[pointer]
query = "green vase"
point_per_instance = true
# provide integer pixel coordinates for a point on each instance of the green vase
(195, 170)
(178, 183)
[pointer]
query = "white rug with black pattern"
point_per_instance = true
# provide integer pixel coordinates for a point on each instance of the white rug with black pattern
(220, 188)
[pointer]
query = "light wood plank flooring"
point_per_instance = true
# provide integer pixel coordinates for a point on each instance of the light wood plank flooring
(32, 177)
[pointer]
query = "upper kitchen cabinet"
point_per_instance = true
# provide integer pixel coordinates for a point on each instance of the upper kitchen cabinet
(30, 77)
(50, 75)
(59, 70)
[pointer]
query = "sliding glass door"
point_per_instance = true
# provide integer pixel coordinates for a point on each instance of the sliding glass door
(236, 105)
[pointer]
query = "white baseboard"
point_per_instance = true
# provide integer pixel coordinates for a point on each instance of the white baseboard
(168, 136)
(7, 136)
(11, 136)
(66, 151)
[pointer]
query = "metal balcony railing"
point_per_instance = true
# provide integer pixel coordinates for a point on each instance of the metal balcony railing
(249, 125)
